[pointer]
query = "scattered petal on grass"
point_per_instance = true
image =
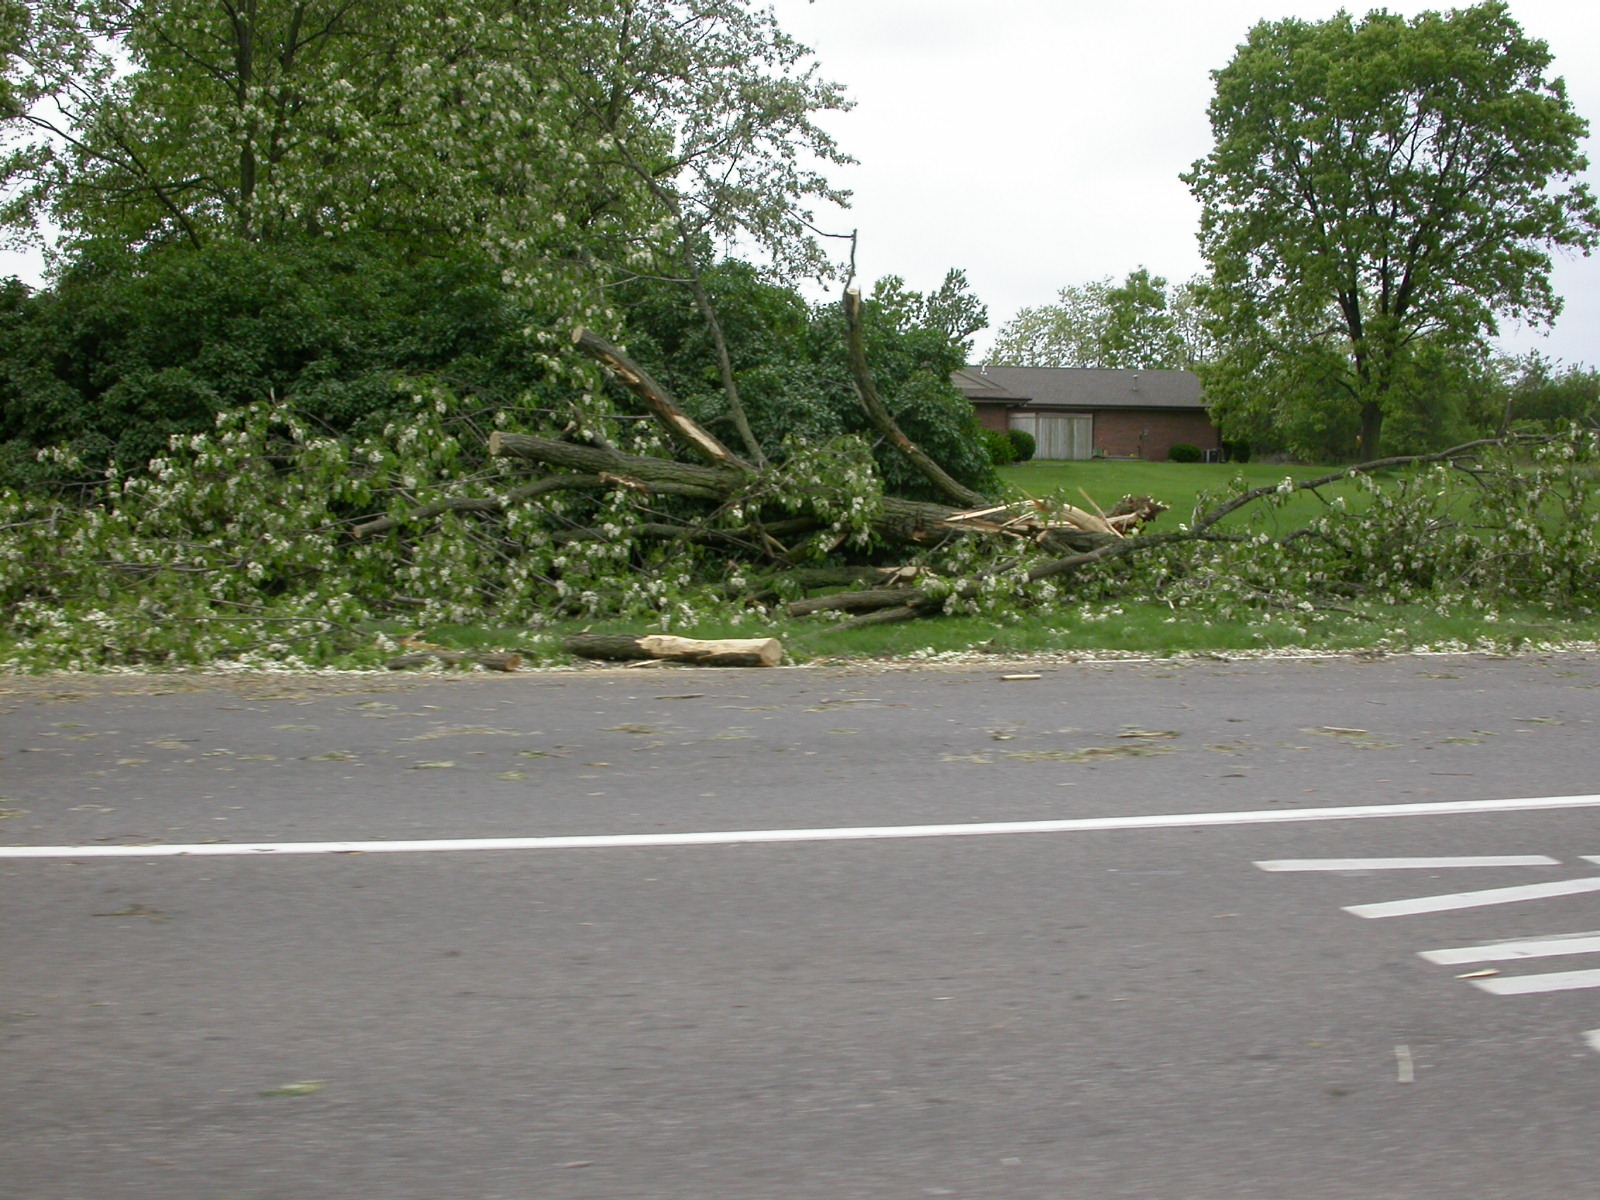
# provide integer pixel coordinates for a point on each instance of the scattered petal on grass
(430, 766)
(305, 1087)
(1135, 732)
(1338, 731)
(1018, 678)
(512, 776)
(258, 758)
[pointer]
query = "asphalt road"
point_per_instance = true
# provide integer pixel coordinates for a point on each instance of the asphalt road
(1111, 1013)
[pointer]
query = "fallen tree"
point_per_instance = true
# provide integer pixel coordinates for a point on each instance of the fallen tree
(272, 542)
(888, 558)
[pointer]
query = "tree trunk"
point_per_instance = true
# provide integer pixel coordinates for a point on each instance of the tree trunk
(1371, 430)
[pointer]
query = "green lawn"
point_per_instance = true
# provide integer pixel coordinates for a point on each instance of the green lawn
(1175, 484)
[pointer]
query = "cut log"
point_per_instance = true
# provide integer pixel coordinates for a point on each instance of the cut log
(737, 652)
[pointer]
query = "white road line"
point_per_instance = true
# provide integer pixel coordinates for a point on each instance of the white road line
(1556, 981)
(1505, 895)
(1358, 812)
(1592, 1039)
(1407, 864)
(1567, 943)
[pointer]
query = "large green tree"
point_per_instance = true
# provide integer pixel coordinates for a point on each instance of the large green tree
(568, 141)
(1141, 323)
(1381, 189)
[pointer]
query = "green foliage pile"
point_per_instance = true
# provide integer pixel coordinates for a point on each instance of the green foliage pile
(1183, 452)
(237, 546)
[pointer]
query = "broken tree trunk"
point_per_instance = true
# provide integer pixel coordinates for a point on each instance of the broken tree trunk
(913, 522)
(678, 423)
(737, 652)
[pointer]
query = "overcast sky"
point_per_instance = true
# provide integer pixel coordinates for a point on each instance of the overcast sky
(1037, 143)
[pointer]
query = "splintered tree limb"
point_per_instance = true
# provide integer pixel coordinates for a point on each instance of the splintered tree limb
(879, 414)
(679, 424)
(737, 652)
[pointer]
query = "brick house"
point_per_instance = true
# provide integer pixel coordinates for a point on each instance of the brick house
(1081, 412)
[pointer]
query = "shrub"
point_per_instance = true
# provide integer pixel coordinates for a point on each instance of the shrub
(1183, 452)
(1023, 444)
(1002, 450)
(1238, 452)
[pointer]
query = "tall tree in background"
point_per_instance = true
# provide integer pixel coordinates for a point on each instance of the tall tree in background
(1141, 323)
(1380, 193)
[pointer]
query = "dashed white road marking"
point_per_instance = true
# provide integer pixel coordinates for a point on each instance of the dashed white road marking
(1567, 943)
(1505, 895)
(1357, 812)
(1407, 864)
(1555, 981)
(1592, 1039)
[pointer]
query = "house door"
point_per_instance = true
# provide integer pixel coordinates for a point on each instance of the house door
(1058, 435)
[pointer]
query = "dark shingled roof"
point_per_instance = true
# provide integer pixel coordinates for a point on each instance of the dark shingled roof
(1079, 387)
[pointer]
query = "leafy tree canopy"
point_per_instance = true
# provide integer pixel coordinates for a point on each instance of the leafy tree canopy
(568, 142)
(130, 347)
(1141, 323)
(1380, 193)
